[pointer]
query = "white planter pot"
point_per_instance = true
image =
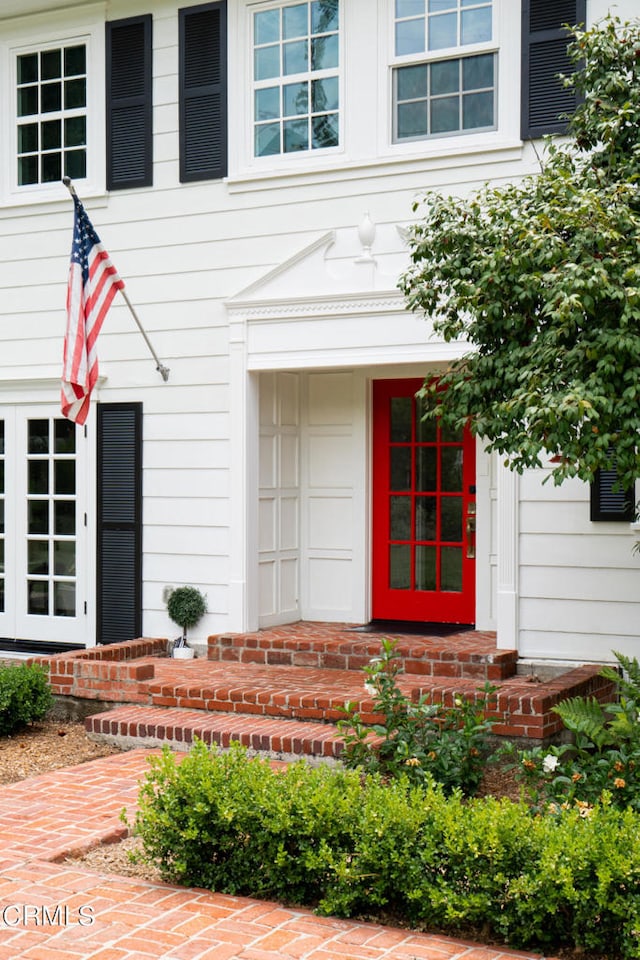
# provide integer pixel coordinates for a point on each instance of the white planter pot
(183, 653)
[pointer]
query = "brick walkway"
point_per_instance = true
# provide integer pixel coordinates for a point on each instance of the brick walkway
(55, 910)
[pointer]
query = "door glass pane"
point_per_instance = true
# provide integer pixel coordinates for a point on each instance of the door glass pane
(400, 478)
(425, 429)
(426, 568)
(38, 556)
(65, 517)
(401, 410)
(451, 518)
(1, 438)
(65, 476)
(451, 569)
(38, 441)
(64, 599)
(64, 558)
(38, 477)
(452, 434)
(426, 518)
(65, 436)
(426, 468)
(452, 469)
(38, 597)
(400, 567)
(1, 557)
(400, 518)
(1, 515)
(38, 516)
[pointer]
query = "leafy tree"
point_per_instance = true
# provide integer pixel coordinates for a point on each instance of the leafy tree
(542, 278)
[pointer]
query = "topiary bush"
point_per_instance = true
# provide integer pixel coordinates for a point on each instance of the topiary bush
(186, 606)
(359, 846)
(25, 696)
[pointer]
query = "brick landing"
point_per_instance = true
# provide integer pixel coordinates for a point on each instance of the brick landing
(45, 818)
(268, 688)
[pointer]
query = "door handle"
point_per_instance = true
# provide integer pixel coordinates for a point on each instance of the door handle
(471, 538)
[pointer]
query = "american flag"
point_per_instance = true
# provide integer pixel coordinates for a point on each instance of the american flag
(93, 283)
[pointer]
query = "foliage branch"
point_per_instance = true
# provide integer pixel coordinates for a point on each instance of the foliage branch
(542, 279)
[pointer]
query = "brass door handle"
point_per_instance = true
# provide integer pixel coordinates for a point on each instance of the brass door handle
(471, 538)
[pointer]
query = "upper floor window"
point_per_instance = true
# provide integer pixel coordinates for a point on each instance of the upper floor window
(444, 78)
(296, 84)
(51, 114)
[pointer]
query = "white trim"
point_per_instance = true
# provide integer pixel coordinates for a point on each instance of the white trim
(34, 35)
(507, 601)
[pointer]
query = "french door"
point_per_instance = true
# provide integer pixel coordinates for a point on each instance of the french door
(423, 512)
(43, 575)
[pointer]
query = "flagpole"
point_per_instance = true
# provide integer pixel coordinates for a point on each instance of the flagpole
(160, 367)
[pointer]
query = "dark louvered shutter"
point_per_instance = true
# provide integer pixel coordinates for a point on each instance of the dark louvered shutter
(129, 104)
(544, 56)
(203, 92)
(607, 503)
(119, 562)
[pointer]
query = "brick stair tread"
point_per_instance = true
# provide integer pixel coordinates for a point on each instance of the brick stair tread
(470, 653)
(180, 728)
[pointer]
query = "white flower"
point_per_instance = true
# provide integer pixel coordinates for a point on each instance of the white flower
(550, 763)
(370, 689)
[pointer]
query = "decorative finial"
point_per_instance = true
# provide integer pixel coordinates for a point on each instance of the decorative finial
(367, 234)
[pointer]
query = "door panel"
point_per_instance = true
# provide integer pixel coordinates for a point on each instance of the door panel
(42, 533)
(423, 512)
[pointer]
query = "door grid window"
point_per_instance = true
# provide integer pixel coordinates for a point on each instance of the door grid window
(51, 518)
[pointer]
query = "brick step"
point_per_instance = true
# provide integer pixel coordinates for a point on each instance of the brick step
(469, 654)
(134, 726)
(292, 693)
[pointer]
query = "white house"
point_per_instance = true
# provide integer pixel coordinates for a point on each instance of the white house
(250, 165)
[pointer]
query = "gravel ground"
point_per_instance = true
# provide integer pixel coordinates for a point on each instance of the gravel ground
(44, 746)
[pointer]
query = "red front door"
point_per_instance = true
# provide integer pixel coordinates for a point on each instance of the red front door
(423, 512)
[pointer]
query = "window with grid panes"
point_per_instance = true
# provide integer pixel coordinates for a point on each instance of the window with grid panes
(444, 76)
(51, 114)
(296, 83)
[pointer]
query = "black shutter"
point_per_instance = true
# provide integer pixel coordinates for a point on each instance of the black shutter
(119, 562)
(544, 56)
(203, 92)
(129, 103)
(610, 504)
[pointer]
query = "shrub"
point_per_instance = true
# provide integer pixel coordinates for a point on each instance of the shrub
(603, 758)
(25, 696)
(417, 739)
(354, 845)
(186, 606)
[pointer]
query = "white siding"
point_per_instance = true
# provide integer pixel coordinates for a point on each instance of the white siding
(188, 252)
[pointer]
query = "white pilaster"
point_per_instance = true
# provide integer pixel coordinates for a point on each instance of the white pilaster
(508, 558)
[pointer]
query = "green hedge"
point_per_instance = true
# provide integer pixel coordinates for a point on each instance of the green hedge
(25, 696)
(355, 846)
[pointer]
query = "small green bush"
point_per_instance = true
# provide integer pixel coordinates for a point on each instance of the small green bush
(359, 846)
(186, 606)
(417, 739)
(25, 696)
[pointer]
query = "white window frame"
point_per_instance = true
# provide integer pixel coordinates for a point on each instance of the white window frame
(241, 138)
(504, 44)
(52, 32)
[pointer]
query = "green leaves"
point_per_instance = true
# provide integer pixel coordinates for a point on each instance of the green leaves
(25, 696)
(417, 740)
(360, 846)
(542, 279)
